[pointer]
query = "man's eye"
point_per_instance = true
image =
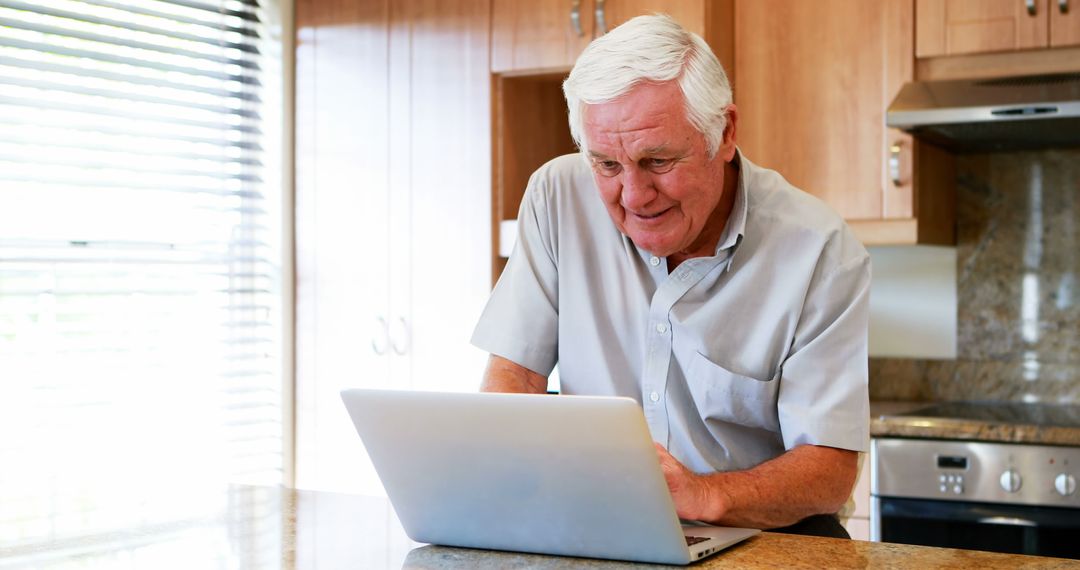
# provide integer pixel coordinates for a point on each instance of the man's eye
(660, 164)
(607, 166)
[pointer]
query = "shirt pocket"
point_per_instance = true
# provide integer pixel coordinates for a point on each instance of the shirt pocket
(724, 396)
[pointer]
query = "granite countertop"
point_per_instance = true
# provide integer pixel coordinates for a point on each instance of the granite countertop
(886, 421)
(277, 528)
(766, 550)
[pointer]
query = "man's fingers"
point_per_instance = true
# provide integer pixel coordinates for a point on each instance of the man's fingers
(670, 467)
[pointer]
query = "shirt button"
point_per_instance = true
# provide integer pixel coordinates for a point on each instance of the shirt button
(661, 328)
(654, 397)
(654, 261)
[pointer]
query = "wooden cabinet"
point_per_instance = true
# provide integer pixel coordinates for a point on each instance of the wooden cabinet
(547, 35)
(1064, 22)
(538, 35)
(392, 201)
(955, 27)
(814, 82)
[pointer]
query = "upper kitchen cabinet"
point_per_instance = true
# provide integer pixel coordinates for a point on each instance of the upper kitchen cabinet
(1064, 23)
(814, 82)
(393, 154)
(547, 35)
(957, 27)
(538, 35)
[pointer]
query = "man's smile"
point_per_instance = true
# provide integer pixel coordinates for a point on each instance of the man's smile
(647, 218)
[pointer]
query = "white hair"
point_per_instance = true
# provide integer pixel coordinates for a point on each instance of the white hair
(653, 49)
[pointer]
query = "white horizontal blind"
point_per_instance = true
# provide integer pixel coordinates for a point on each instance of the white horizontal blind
(140, 320)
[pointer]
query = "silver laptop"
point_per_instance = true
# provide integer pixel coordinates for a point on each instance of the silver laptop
(562, 475)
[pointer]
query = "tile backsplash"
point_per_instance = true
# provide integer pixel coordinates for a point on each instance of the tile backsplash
(1018, 295)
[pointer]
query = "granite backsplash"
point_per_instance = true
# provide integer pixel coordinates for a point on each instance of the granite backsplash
(1018, 295)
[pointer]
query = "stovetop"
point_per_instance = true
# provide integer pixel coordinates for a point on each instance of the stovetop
(1013, 413)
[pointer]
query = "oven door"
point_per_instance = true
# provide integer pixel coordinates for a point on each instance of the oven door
(1015, 529)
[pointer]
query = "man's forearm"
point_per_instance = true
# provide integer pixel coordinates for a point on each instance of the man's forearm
(503, 375)
(804, 481)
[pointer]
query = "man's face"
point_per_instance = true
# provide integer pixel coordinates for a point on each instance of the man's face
(653, 171)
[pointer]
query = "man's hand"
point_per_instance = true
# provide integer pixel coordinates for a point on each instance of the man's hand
(807, 480)
(689, 490)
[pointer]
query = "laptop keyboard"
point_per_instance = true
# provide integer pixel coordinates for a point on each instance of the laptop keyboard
(692, 540)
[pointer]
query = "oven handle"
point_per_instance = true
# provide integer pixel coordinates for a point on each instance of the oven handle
(1031, 515)
(1008, 521)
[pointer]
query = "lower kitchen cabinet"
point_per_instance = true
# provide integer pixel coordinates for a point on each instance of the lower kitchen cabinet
(857, 520)
(393, 203)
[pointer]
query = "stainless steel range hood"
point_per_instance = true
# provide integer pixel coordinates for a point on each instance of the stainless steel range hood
(1030, 112)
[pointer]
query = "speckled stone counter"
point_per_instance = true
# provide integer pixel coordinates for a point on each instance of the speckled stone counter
(901, 419)
(767, 550)
(273, 528)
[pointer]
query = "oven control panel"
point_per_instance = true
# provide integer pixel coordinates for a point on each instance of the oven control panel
(975, 471)
(951, 483)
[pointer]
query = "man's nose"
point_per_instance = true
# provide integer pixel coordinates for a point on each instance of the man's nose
(637, 189)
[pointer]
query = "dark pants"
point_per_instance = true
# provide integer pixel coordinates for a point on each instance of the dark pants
(816, 525)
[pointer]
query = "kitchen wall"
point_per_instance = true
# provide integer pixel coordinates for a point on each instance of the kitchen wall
(1018, 295)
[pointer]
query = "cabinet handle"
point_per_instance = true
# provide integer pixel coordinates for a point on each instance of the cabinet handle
(403, 347)
(601, 18)
(382, 333)
(894, 164)
(1063, 6)
(575, 18)
(1030, 6)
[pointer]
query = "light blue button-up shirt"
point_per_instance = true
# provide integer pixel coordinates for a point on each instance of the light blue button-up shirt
(734, 358)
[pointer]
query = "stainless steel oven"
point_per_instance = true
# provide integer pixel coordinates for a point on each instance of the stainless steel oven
(1002, 497)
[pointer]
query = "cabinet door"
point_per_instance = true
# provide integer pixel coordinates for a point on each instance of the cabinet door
(449, 188)
(393, 207)
(689, 13)
(1064, 23)
(952, 27)
(814, 80)
(341, 230)
(539, 34)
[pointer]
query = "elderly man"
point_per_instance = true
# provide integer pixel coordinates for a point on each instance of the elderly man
(662, 265)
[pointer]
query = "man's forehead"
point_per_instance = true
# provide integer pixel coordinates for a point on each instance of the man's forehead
(666, 98)
(648, 121)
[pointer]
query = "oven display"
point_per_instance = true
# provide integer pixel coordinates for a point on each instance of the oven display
(952, 462)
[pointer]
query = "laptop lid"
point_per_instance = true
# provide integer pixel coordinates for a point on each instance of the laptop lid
(564, 475)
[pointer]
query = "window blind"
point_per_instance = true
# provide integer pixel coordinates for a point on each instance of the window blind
(140, 239)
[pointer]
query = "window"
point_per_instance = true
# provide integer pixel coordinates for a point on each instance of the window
(140, 247)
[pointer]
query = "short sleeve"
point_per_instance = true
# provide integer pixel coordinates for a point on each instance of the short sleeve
(521, 320)
(823, 397)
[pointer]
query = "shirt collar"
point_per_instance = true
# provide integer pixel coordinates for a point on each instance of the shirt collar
(735, 226)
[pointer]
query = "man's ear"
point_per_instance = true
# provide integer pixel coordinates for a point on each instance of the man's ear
(727, 144)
